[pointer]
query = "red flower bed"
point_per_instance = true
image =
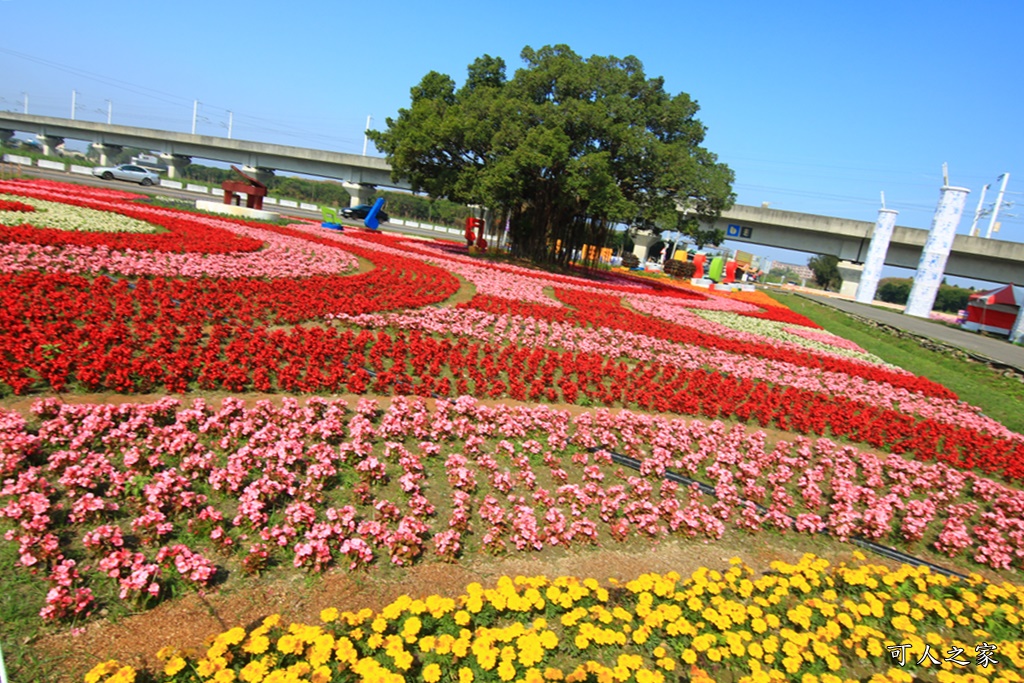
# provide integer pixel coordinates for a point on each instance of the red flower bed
(607, 311)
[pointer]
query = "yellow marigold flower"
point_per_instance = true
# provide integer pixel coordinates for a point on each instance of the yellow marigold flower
(462, 617)
(553, 674)
(272, 620)
(328, 615)
(465, 675)
(125, 674)
(403, 660)
(322, 674)
(254, 671)
(506, 670)
(101, 671)
(289, 644)
(688, 656)
(224, 676)
(257, 645)
(549, 640)
(432, 673)
(299, 669)
(205, 668)
(412, 626)
(173, 666)
(232, 636)
(903, 623)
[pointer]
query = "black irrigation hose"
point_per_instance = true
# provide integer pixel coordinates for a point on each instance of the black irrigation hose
(706, 489)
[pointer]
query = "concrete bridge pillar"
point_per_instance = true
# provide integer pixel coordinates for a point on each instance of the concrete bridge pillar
(106, 151)
(642, 243)
(176, 164)
(851, 273)
(50, 144)
(936, 251)
(5, 136)
(876, 256)
(264, 175)
(361, 193)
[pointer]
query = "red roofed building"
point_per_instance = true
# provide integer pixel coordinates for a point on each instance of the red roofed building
(994, 310)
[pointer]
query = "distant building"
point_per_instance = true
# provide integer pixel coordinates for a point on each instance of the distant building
(802, 272)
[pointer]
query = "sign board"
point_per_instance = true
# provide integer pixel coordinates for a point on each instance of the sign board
(739, 231)
(744, 257)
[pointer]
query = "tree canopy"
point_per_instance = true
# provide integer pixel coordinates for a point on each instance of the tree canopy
(826, 271)
(563, 151)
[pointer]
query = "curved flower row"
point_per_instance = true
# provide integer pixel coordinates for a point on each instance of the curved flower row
(808, 622)
(607, 312)
(183, 231)
(16, 206)
(146, 495)
(60, 216)
(281, 257)
(618, 344)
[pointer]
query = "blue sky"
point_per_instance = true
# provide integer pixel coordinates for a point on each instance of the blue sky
(817, 106)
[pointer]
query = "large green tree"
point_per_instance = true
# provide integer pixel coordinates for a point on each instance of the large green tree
(565, 150)
(826, 271)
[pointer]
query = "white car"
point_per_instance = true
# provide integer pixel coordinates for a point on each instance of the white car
(129, 172)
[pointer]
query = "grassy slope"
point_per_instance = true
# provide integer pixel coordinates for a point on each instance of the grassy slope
(1001, 398)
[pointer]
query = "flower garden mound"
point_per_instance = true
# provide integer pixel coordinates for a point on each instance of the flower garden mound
(131, 505)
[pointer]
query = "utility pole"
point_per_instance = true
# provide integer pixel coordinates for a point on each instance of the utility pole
(365, 138)
(26, 101)
(195, 110)
(977, 212)
(110, 112)
(999, 202)
(231, 119)
(74, 95)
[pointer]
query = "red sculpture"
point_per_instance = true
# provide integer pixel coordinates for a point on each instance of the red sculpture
(254, 190)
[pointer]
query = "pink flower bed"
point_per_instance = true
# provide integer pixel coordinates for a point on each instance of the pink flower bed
(140, 496)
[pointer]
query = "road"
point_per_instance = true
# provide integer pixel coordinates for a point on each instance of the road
(990, 348)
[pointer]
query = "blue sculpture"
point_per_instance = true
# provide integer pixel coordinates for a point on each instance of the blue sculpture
(371, 218)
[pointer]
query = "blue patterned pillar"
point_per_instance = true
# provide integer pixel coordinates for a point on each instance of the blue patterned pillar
(872, 272)
(936, 250)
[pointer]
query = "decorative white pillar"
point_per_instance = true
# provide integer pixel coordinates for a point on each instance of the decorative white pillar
(872, 272)
(936, 250)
